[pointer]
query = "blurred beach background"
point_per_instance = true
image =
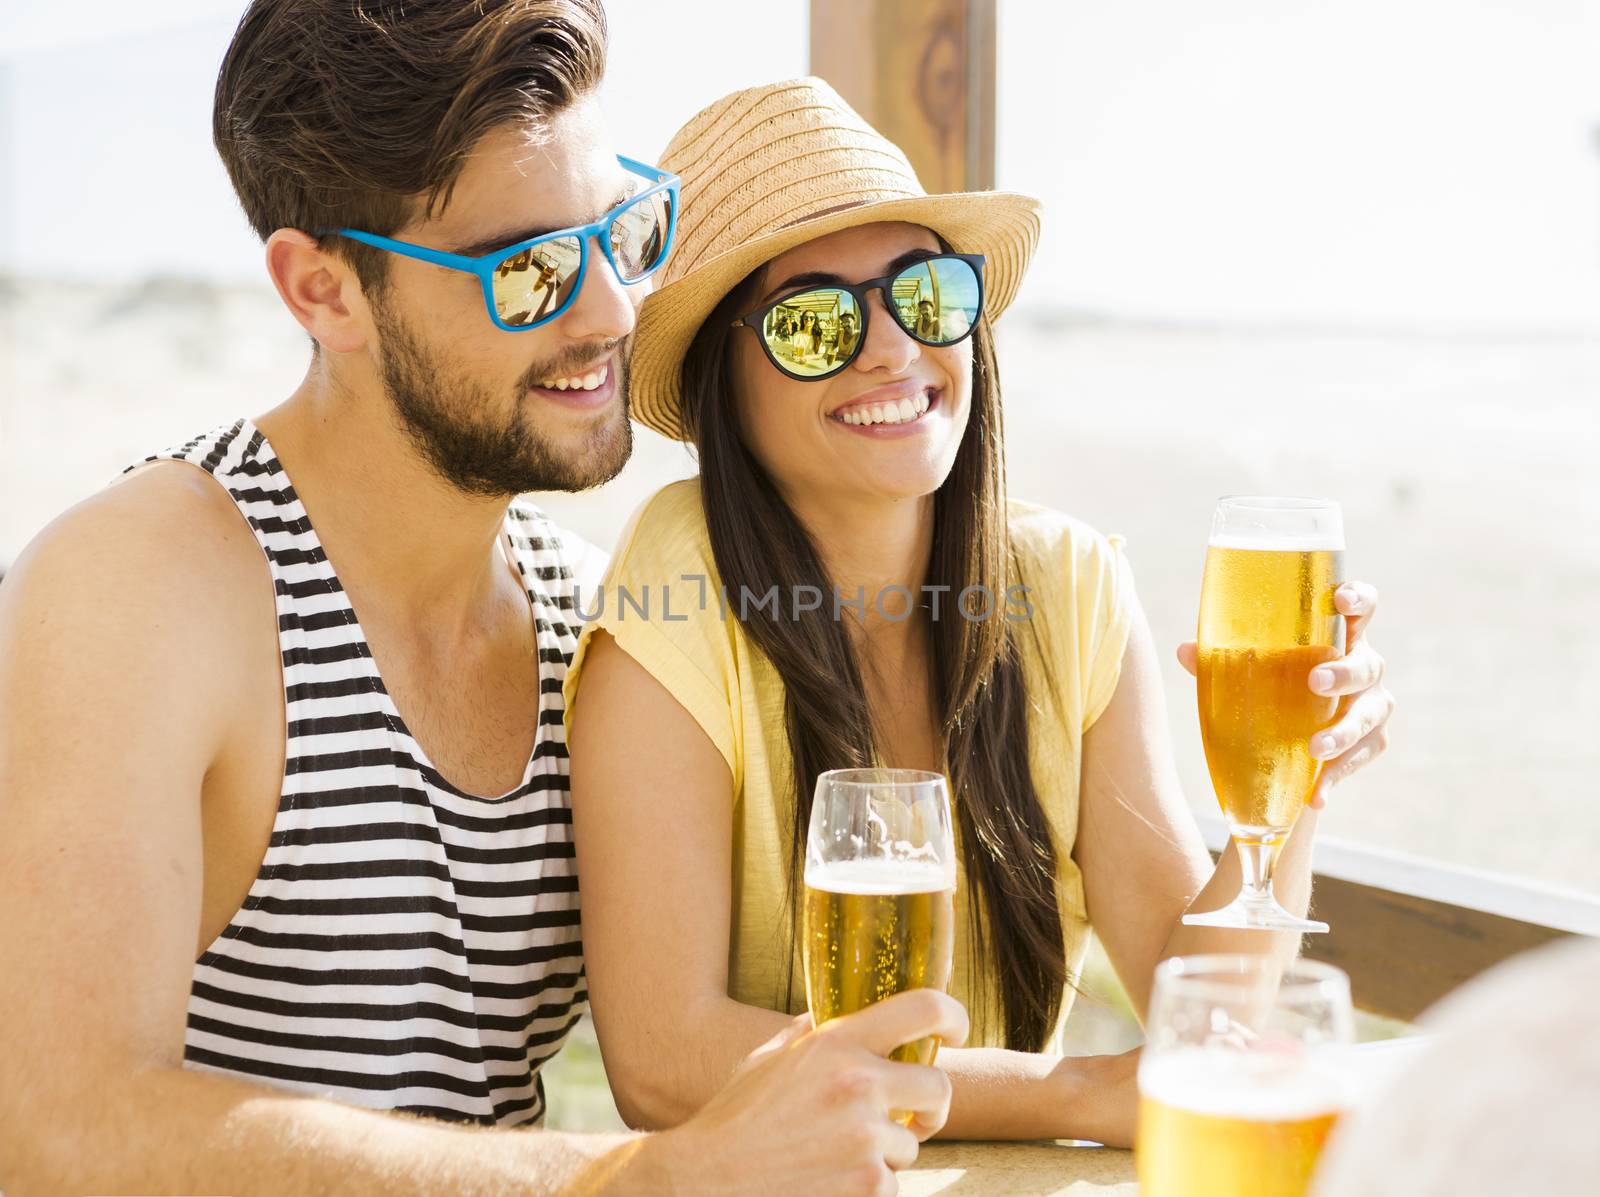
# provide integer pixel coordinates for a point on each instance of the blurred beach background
(1350, 250)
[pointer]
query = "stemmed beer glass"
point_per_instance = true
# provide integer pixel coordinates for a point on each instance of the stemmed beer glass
(1266, 620)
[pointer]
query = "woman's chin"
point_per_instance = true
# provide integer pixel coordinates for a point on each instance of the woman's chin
(891, 481)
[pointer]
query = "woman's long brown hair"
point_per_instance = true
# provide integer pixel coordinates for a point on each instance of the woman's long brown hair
(978, 686)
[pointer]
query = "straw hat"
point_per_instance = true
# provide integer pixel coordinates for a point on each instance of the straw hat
(770, 168)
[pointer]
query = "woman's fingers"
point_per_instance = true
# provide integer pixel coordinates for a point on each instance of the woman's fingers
(1360, 669)
(1359, 737)
(1358, 756)
(1356, 601)
(1363, 715)
(1189, 656)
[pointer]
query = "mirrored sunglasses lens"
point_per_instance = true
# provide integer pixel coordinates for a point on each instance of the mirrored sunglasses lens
(639, 235)
(938, 301)
(812, 333)
(534, 282)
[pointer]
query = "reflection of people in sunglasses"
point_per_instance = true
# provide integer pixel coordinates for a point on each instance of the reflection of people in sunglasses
(879, 482)
(844, 342)
(803, 343)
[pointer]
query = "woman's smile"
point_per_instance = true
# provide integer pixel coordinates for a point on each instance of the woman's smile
(897, 409)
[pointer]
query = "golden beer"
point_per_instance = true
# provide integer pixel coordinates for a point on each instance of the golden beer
(1219, 1124)
(1266, 620)
(873, 928)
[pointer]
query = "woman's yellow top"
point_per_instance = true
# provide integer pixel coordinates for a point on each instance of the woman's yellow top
(661, 600)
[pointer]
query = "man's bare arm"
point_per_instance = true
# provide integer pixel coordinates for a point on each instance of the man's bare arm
(120, 663)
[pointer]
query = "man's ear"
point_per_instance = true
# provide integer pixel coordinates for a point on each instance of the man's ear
(320, 290)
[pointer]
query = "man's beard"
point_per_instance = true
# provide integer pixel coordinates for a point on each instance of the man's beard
(449, 420)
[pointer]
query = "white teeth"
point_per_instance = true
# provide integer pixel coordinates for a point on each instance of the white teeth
(589, 382)
(901, 411)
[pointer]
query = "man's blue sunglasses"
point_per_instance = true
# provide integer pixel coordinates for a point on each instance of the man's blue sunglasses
(532, 282)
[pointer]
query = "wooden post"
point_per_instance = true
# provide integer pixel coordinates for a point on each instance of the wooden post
(922, 72)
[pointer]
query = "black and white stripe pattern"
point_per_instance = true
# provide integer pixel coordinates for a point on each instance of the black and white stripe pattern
(404, 946)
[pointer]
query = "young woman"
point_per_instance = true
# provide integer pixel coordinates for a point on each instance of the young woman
(697, 732)
(804, 340)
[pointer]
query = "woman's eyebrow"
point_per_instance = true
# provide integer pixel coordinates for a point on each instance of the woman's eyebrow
(816, 278)
(810, 278)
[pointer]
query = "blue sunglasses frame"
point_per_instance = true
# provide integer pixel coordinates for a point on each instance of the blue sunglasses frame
(484, 267)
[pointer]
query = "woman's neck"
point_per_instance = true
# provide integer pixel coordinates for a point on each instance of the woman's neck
(876, 555)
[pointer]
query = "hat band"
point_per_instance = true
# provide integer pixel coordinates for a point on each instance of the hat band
(821, 212)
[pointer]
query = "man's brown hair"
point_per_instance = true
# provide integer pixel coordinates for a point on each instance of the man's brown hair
(347, 113)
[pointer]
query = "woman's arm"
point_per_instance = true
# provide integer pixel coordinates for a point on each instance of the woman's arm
(652, 816)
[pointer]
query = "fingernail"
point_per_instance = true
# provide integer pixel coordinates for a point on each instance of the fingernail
(1322, 679)
(1349, 596)
(1322, 747)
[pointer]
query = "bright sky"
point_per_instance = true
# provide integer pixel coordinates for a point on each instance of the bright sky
(1427, 164)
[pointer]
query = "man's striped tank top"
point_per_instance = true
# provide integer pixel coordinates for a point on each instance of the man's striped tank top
(404, 946)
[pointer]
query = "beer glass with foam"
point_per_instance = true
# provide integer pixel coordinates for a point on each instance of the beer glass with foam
(1242, 1076)
(880, 882)
(1267, 619)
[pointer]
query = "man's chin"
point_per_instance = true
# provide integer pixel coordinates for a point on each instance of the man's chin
(588, 459)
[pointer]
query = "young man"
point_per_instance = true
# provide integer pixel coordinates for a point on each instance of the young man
(359, 825)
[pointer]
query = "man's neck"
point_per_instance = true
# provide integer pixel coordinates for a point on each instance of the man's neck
(421, 545)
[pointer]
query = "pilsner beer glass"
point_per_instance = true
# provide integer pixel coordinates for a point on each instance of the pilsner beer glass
(880, 883)
(1242, 1076)
(1266, 620)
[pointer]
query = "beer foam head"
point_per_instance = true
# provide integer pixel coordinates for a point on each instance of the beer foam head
(1279, 542)
(1278, 524)
(881, 876)
(1251, 1085)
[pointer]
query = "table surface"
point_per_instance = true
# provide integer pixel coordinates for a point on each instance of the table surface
(1019, 1170)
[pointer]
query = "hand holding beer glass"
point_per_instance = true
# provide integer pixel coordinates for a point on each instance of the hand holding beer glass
(1242, 1076)
(1267, 619)
(880, 881)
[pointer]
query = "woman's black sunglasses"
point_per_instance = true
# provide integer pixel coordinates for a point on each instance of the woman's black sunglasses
(815, 332)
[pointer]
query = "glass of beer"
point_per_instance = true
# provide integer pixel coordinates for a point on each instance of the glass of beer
(1267, 619)
(880, 883)
(1242, 1077)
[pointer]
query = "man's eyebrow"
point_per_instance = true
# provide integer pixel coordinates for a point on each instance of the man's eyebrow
(487, 245)
(823, 278)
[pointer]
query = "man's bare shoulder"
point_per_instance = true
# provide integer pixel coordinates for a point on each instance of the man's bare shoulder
(158, 569)
(167, 519)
